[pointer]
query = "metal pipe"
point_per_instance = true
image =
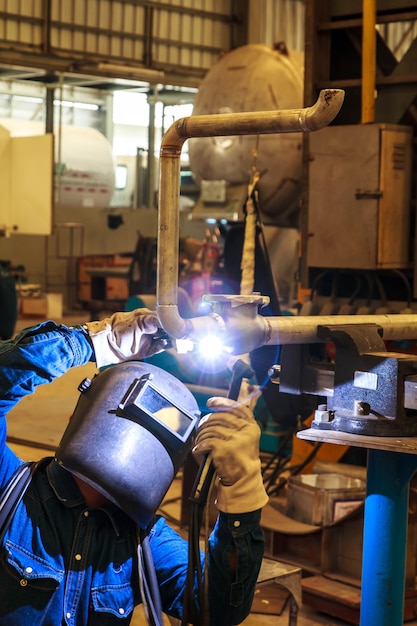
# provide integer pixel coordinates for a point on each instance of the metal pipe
(385, 537)
(151, 150)
(302, 329)
(368, 60)
(308, 119)
(243, 330)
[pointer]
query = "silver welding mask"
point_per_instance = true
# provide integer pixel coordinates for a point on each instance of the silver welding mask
(131, 430)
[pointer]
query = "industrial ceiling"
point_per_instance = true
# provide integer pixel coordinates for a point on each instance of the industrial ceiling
(118, 44)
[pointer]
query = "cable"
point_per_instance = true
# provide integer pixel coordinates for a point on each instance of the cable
(308, 307)
(148, 582)
(279, 460)
(406, 284)
(296, 469)
(31, 444)
(383, 296)
(195, 609)
(366, 309)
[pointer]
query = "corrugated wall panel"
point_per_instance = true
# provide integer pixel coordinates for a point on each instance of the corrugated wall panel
(22, 22)
(280, 20)
(193, 35)
(182, 34)
(399, 36)
(99, 28)
(178, 36)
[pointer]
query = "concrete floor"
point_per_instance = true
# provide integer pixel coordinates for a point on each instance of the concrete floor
(42, 418)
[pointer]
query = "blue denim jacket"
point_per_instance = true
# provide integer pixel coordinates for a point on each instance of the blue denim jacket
(63, 563)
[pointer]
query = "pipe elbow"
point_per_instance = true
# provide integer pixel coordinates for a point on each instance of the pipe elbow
(323, 112)
(174, 138)
(191, 328)
(171, 321)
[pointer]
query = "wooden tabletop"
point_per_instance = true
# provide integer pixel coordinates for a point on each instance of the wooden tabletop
(407, 445)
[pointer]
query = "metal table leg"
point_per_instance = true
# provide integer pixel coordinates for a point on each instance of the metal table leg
(286, 576)
(385, 537)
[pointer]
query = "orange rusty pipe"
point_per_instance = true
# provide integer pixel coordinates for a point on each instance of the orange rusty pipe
(368, 61)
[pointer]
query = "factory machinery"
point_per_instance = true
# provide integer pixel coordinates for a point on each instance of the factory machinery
(366, 390)
(338, 181)
(344, 183)
(337, 206)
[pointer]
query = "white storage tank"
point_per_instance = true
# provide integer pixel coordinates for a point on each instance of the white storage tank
(84, 166)
(254, 78)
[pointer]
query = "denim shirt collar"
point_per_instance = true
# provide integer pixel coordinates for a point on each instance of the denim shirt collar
(64, 485)
(67, 492)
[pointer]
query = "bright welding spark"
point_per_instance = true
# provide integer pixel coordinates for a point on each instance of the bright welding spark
(207, 355)
(184, 346)
(212, 348)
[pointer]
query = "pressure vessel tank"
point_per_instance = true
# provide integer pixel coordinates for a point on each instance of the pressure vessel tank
(254, 77)
(84, 165)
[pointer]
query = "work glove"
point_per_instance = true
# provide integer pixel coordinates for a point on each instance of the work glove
(125, 336)
(230, 435)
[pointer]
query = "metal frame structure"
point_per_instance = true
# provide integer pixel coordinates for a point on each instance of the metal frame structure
(140, 40)
(344, 49)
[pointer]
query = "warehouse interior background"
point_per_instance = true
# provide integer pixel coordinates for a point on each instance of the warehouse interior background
(87, 91)
(126, 70)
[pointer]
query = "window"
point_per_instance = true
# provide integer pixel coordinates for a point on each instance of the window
(121, 177)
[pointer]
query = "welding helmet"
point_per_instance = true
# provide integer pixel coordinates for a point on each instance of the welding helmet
(131, 430)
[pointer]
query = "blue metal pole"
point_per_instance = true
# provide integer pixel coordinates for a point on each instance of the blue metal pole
(385, 537)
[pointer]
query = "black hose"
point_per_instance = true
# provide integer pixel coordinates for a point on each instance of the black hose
(148, 583)
(195, 609)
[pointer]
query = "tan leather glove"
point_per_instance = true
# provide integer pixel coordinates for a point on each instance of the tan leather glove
(231, 436)
(125, 336)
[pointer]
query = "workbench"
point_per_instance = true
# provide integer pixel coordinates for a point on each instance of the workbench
(392, 462)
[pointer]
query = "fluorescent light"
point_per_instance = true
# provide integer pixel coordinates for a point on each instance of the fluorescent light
(139, 73)
(76, 105)
(33, 99)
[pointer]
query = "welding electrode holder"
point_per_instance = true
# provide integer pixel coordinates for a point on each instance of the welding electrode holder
(201, 487)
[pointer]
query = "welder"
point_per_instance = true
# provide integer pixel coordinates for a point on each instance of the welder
(69, 554)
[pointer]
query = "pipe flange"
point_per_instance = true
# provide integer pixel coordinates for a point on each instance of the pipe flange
(236, 300)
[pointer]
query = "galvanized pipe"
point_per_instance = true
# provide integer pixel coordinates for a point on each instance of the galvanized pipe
(311, 118)
(302, 329)
(262, 330)
(243, 330)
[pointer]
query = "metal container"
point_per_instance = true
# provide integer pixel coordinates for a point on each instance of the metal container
(359, 197)
(255, 77)
(320, 499)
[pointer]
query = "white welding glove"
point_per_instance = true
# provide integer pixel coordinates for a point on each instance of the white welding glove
(231, 436)
(125, 336)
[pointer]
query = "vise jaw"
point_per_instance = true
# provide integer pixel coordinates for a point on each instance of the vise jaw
(365, 389)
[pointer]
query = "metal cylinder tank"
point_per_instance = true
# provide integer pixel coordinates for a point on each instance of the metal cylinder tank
(254, 78)
(84, 166)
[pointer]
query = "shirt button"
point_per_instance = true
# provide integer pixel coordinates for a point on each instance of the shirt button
(121, 611)
(28, 570)
(86, 513)
(23, 582)
(67, 615)
(78, 557)
(236, 523)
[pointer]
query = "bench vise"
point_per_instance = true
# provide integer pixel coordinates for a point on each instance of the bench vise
(365, 389)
